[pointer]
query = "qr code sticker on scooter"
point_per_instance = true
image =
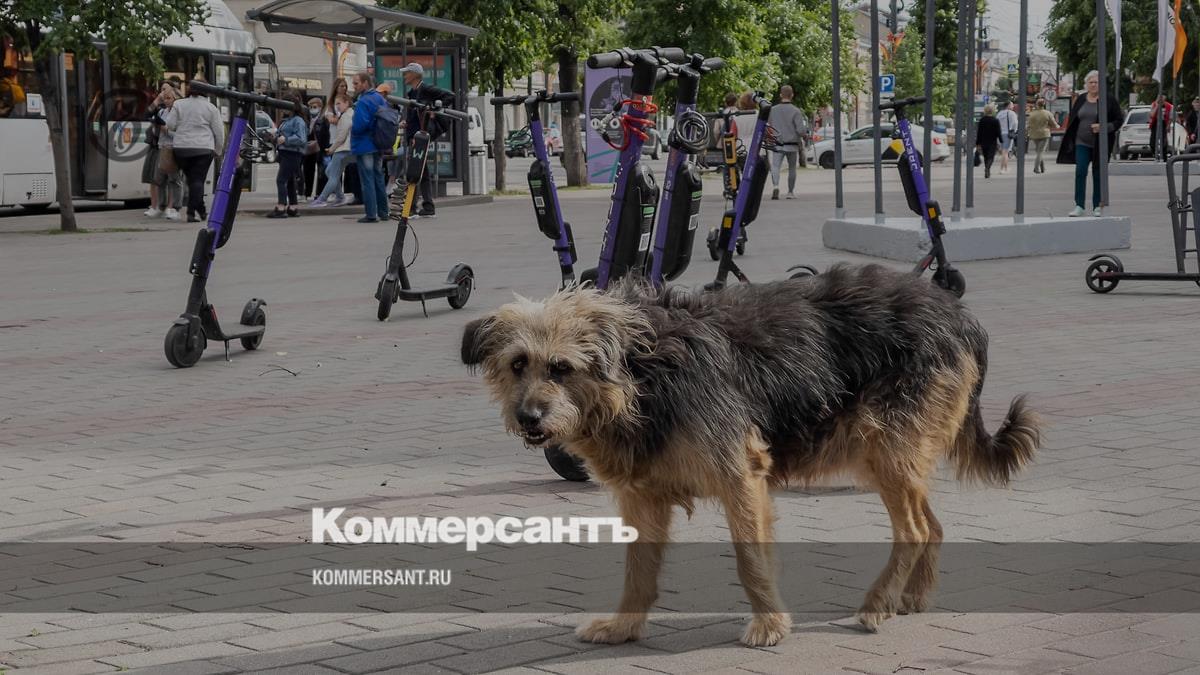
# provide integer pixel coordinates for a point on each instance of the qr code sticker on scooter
(539, 202)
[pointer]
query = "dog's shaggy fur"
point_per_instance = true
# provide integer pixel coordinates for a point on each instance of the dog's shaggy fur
(670, 396)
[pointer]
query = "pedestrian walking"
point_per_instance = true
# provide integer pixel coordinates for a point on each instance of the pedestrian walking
(366, 154)
(339, 154)
(199, 136)
(1192, 121)
(791, 128)
(150, 162)
(1079, 143)
(1039, 124)
(1008, 134)
(987, 138)
(292, 139)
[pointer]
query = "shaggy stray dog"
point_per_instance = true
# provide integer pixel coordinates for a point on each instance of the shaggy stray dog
(670, 396)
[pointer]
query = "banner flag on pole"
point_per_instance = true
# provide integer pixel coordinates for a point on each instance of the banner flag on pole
(1166, 38)
(1114, 11)
(1180, 39)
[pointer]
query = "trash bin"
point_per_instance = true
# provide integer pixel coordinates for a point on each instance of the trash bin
(477, 173)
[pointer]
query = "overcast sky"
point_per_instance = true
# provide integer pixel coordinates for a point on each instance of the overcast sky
(1003, 17)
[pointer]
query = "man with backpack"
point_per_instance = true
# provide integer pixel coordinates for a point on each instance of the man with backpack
(374, 121)
(421, 92)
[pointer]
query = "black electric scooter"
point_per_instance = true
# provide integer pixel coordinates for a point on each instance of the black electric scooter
(733, 158)
(189, 334)
(546, 206)
(394, 285)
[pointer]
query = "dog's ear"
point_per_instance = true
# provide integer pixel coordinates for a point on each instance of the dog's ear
(475, 340)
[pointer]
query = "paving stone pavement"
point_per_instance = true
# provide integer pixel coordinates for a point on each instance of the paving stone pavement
(102, 442)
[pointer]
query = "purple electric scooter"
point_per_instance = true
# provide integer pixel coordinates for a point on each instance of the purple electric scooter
(190, 333)
(541, 181)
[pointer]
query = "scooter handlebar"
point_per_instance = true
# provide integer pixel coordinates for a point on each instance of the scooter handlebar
(539, 96)
(507, 100)
(710, 64)
(614, 59)
(246, 97)
(626, 56)
(902, 103)
(437, 110)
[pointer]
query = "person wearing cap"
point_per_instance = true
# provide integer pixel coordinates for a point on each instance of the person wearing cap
(419, 90)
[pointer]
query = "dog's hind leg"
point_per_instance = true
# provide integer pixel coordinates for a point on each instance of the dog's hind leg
(751, 519)
(902, 494)
(924, 574)
(651, 516)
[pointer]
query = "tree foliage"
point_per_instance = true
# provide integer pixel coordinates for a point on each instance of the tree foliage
(799, 32)
(1071, 34)
(133, 31)
(908, 64)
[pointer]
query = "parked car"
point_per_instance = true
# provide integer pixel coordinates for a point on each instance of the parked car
(1133, 139)
(518, 143)
(265, 129)
(858, 146)
(475, 141)
(554, 140)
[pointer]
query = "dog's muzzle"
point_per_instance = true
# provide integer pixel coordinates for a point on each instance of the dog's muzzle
(530, 421)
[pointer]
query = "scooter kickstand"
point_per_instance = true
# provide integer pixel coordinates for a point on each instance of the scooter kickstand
(227, 359)
(423, 310)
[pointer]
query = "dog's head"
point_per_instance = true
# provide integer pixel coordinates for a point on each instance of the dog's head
(558, 367)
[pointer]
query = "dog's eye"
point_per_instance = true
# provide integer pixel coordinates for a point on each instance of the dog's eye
(559, 369)
(518, 365)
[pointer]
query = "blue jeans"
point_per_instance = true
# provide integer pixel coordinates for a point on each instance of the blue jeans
(374, 192)
(333, 175)
(1085, 156)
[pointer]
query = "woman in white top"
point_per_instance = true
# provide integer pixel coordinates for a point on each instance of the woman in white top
(339, 154)
(199, 135)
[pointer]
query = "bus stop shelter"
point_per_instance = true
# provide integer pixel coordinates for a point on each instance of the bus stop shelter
(361, 23)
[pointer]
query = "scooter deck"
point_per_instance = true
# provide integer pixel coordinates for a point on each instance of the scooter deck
(417, 294)
(241, 331)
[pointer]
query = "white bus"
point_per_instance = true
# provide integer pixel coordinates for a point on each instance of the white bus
(104, 112)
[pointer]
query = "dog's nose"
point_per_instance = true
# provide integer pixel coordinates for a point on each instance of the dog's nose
(529, 418)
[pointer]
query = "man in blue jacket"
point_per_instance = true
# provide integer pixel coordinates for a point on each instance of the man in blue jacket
(362, 144)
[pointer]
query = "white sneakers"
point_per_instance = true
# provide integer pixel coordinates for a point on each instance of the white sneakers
(152, 212)
(172, 214)
(1097, 212)
(1076, 212)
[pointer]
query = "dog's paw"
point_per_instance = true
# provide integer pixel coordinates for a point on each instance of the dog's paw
(766, 630)
(911, 603)
(612, 631)
(869, 620)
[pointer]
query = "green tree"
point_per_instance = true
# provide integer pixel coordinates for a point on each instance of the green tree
(945, 29)
(511, 38)
(798, 31)
(576, 28)
(908, 64)
(735, 30)
(133, 34)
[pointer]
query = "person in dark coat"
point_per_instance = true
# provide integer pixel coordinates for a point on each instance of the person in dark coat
(418, 90)
(987, 138)
(1080, 143)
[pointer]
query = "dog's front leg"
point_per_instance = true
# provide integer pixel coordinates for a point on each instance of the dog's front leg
(751, 517)
(651, 517)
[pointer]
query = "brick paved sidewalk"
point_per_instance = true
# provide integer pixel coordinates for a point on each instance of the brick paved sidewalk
(101, 441)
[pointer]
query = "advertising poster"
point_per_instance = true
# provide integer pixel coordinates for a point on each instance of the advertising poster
(387, 69)
(603, 88)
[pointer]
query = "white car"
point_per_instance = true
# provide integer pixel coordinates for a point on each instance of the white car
(1134, 136)
(858, 146)
(475, 140)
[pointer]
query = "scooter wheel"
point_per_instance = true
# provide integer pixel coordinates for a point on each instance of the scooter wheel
(802, 271)
(465, 282)
(387, 295)
(712, 245)
(1097, 275)
(176, 347)
(954, 282)
(590, 275)
(741, 248)
(565, 464)
(258, 317)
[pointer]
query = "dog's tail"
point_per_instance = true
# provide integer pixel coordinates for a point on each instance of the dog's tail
(994, 458)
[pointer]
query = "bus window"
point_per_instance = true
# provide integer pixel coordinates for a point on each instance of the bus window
(130, 98)
(20, 95)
